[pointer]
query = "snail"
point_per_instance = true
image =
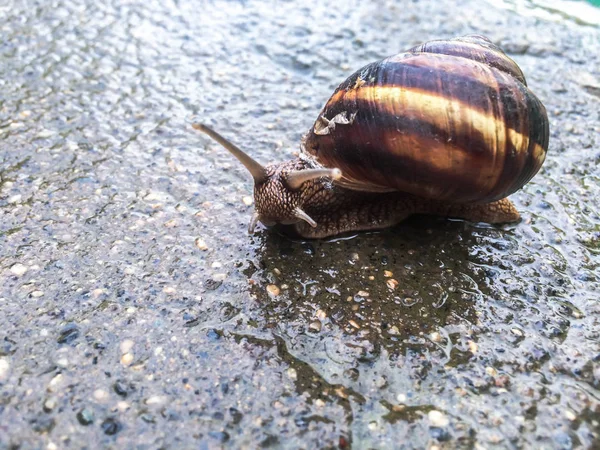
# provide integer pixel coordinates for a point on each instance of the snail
(448, 127)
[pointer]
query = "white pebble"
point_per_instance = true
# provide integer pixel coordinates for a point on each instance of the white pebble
(291, 372)
(155, 400)
(100, 395)
(62, 362)
(14, 199)
(201, 244)
(315, 326)
(472, 346)
(219, 276)
(37, 294)
(55, 382)
(127, 359)
(491, 371)
(123, 406)
(18, 269)
(126, 346)
(4, 368)
(435, 337)
(437, 419)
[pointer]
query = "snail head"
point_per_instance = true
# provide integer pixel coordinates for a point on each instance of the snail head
(279, 189)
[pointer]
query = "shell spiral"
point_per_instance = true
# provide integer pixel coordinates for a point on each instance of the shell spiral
(451, 120)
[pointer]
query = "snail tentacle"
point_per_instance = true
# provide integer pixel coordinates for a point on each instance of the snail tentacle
(297, 178)
(253, 221)
(256, 169)
(303, 216)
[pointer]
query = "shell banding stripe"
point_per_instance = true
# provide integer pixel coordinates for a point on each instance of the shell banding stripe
(439, 116)
(476, 48)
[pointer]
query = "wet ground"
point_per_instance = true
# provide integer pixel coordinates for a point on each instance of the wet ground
(136, 312)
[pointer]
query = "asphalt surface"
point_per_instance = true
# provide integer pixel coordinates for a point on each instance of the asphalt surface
(136, 312)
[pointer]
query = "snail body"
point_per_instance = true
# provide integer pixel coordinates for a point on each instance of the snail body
(448, 127)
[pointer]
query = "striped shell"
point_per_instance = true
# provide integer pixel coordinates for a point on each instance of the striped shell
(447, 120)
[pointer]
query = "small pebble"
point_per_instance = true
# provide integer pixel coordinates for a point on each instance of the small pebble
(111, 427)
(273, 290)
(126, 346)
(216, 265)
(100, 395)
(123, 406)
(248, 200)
(18, 269)
(401, 398)
(37, 294)
(353, 323)
(392, 283)
(437, 419)
(127, 359)
(85, 417)
(319, 403)
(55, 382)
(362, 293)
(491, 371)
(570, 415)
(50, 404)
(516, 332)
(62, 362)
(292, 374)
(155, 400)
(219, 277)
(315, 326)
(201, 244)
(394, 330)
(169, 290)
(15, 199)
(4, 368)
(435, 337)
(388, 273)
(321, 315)
(472, 347)
(373, 426)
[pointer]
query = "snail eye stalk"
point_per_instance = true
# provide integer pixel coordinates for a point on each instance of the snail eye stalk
(303, 216)
(256, 169)
(296, 178)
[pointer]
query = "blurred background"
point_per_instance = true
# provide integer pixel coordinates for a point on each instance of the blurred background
(136, 311)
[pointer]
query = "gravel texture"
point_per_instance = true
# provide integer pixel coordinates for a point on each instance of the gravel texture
(136, 312)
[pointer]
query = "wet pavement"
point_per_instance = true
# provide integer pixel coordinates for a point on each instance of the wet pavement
(136, 312)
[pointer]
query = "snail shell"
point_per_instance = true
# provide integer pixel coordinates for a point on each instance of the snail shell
(449, 120)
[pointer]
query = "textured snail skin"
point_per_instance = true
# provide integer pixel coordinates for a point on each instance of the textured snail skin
(338, 210)
(447, 120)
